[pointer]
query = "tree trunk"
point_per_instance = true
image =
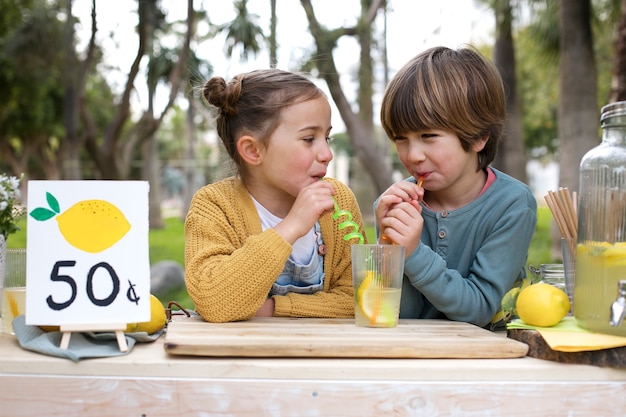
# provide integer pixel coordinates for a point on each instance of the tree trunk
(618, 85)
(511, 156)
(578, 107)
(361, 134)
(189, 167)
(272, 39)
(70, 157)
(152, 172)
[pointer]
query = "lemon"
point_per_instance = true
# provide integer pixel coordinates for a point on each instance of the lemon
(93, 225)
(375, 302)
(542, 305)
(50, 328)
(157, 319)
(370, 276)
(615, 255)
(509, 300)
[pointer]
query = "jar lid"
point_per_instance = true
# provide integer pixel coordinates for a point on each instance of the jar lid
(616, 109)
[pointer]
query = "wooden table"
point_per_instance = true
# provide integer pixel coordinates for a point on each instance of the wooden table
(149, 382)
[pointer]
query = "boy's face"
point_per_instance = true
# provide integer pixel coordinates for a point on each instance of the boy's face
(438, 157)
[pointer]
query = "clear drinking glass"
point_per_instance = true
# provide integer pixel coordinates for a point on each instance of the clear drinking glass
(568, 246)
(14, 288)
(377, 272)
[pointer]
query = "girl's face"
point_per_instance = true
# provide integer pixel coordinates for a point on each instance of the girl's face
(297, 153)
(448, 171)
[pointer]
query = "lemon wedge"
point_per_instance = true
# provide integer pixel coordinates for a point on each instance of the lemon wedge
(375, 302)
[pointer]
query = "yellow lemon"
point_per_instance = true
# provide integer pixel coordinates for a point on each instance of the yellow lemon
(50, 328)
(542, 305)
(157, 319)
(509, 300)
(374, 301)
(93, 225)
(370, 276)
(615, 255)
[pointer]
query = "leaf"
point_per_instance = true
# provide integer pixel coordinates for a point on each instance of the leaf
(52, 203)
(42, 214)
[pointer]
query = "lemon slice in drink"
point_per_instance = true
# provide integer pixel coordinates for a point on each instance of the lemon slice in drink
(373, 301)
(365, 287)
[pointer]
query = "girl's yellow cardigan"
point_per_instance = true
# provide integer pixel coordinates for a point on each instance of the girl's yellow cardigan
(230, 263)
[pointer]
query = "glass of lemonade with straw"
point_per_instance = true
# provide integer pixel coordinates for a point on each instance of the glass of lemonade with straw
(377, 272)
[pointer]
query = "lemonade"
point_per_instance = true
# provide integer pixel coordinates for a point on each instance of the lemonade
(378, 308)
(377, 272)
(13, 304)
(598, 269)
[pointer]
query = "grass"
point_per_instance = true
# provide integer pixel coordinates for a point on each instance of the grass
(169, 244)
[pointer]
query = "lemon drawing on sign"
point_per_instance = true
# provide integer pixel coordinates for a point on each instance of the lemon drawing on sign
(89, 225)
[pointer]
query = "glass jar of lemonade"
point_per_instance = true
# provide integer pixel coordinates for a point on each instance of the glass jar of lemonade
(601, 250)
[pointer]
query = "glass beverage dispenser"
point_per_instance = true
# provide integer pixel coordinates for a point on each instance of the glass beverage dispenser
(600, 288)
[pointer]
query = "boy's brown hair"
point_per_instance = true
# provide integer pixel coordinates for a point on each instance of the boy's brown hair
(455, 90)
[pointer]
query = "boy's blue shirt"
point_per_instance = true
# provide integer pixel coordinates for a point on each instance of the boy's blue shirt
(470, 257)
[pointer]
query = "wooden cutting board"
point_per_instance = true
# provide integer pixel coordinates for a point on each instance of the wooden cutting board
(338, 338)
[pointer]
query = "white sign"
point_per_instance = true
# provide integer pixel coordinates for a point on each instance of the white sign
(87, 253)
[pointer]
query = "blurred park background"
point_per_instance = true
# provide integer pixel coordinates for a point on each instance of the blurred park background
(94, 89)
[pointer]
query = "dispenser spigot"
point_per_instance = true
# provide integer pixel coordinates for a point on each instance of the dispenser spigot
(618, 308)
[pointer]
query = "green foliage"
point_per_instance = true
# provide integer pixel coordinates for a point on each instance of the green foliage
(540, 251)
(168, 243)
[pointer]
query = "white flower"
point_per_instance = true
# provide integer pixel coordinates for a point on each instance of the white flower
(10, 211)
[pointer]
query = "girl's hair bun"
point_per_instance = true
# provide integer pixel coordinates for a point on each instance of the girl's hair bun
(222, 95)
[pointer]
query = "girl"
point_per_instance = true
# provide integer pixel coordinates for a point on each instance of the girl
(264, 242)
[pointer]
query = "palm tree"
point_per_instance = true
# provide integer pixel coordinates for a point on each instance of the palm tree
(243, 31)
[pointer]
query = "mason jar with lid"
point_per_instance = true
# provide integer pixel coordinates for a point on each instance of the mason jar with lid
(601, 251)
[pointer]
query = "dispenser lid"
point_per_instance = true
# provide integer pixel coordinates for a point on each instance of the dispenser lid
(617, 109)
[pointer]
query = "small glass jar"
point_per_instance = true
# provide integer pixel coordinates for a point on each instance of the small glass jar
(553, 274)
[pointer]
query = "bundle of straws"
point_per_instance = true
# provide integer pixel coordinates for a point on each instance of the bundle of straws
(564, 208)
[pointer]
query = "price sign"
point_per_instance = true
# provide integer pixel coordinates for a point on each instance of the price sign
(87, 253)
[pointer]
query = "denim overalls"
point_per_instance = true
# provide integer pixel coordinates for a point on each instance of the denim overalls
(302, 279)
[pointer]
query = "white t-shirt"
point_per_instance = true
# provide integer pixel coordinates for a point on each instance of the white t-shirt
(303, 248)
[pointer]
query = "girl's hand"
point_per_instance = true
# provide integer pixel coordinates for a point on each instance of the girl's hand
(311, 203)
(267, 309)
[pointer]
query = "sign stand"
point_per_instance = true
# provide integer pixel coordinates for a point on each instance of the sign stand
(118, 328)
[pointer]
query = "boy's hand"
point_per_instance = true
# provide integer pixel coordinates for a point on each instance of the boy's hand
(399, 214)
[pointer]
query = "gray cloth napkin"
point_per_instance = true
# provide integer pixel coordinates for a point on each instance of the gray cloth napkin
(82, 344)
